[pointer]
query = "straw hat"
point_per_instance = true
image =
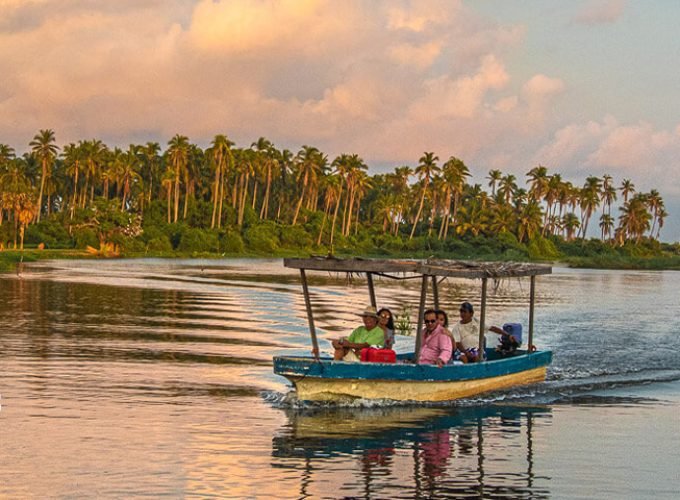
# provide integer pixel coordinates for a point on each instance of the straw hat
(370, 311)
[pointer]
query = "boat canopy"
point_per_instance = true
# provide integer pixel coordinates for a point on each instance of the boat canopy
(429, 267)
(427, 270)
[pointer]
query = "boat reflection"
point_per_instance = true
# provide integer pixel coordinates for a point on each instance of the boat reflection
(413, 452)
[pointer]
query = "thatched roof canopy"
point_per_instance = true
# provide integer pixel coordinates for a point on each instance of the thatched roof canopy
(430, 267)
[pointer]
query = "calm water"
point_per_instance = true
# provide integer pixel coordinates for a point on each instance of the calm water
(153, 378)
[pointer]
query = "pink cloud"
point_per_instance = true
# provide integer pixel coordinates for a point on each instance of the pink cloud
(601, 12)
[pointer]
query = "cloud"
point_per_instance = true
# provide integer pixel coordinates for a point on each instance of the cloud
(600, 12)
(459, 97)
(618, 149)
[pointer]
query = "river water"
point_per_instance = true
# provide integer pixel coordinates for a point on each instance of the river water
(130, 378)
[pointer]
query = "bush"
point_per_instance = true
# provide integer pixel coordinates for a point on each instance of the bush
(232, 242)
(198, 240)
(542, 249)
(262, 237)
(52, 233)
(85, 236)
(295, 237)
(159, 244)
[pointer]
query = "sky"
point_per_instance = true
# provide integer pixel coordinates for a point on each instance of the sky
(585, 87)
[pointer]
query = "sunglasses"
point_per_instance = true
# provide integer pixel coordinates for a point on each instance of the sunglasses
(385, 316)
(430, 321)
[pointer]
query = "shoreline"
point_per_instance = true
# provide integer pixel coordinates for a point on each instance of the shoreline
(10, 259)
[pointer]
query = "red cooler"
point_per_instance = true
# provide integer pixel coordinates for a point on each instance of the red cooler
(373, 355)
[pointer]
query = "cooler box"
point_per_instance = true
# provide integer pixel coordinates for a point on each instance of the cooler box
(514, 329)
(373, 355)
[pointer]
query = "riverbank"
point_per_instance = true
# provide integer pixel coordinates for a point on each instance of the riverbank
(9, 259)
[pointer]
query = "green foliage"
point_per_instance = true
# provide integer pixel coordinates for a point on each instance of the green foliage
(159, 244)
(231, 242)
(198, 240)
(199, 214)
(295, 237)
(262, 237)
(51, 232)
(540, 248)
(85, 236)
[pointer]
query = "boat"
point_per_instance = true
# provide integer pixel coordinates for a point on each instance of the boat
(320, 378)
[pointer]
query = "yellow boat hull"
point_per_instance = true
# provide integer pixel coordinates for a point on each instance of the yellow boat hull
(319, 389)
(324, 389)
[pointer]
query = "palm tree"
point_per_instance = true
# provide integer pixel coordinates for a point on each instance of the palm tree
(333, 190)
(655, 204)
(45, 150)
(178, 154)
(129, 173)
(94, 155)
(494, 178)
(635, 219)
(150, 153)
(426, 169)
(606, 225)
(529, 221)
(473, 219)
(507, 188)
(309, 161)
(608, 193)
(503, 219)
(627, 188)
(570, 222)
(590, 200)
(538, 183)
(72, 159)
(222, 159)
(455, 172)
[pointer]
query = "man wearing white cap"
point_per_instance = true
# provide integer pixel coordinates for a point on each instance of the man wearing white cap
(368, 335)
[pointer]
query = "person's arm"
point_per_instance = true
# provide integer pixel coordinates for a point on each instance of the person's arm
(497, 330)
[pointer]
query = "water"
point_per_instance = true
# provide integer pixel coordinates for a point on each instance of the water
(152, 378)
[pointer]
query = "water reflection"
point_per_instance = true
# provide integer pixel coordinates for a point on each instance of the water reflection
(413, 452)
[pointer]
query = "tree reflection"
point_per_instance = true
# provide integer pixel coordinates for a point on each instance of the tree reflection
(416, 452)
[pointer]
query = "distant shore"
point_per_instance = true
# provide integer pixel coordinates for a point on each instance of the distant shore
(9, 259)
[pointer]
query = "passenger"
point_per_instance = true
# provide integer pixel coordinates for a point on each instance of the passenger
(386, 322)
(443, 320)
(466, 334)
(368, 335)
(436, 346)
(508, 343)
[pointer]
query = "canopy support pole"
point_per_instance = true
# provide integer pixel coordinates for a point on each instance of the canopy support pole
(421, 311)
(435, 292)
(482, 318)
(310, 318)
(371, 290)
(532, 302)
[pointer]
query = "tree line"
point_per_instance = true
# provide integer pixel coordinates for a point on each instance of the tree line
(89, 186)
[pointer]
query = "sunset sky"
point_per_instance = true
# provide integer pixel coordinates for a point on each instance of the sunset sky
(582, 87)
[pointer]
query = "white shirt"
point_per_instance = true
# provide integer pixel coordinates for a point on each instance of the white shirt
(466, 335)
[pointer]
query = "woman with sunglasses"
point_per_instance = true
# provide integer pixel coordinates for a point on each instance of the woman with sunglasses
(436, 346)
(386, 322)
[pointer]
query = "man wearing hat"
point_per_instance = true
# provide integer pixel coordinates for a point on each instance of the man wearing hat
(368, 335)
(466, 334)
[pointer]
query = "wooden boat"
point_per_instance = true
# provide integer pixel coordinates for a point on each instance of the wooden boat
(322, 379)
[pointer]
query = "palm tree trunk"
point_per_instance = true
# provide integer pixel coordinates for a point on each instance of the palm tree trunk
(335, 216)
(302, 195)
(265, 203)
(420, 209)
(216, 195)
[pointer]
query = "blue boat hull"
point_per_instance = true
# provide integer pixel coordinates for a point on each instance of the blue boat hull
(326, 379)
